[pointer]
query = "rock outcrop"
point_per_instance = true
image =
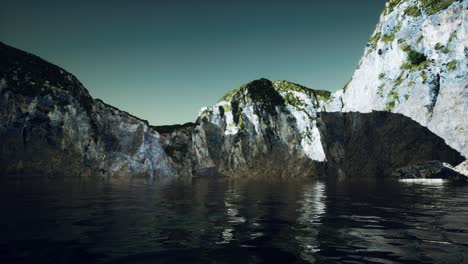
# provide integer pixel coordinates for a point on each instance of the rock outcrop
(462, 168)
(50, 125)
(375, 144)
(263, 128)
(176, 141)
(415, 63)
(282, 129)
(433, 169)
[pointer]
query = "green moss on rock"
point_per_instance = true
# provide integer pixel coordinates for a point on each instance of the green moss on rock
(346, 86)
(285, 87)
(228, 96)
(381, 90)
(406, 48)
(227, 108)
(393, 98)
(400, 79)
(452, 65)
(415, 61)
(442, 48)
(290, 99)
(390, 37)
(423, 75)
(413, 11)
(453, 36)
(374, 39)
(431, 7)
(391, 4)
(420, 39)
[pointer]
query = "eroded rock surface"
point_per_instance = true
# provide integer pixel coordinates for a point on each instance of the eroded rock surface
(415, 63)
(50, 125)
(430, 170)
(374, 144)
(263, 128)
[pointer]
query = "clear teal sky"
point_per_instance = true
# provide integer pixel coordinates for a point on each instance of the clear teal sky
(162, 60)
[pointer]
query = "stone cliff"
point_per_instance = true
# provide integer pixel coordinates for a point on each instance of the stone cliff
(50, 125)
(415, 63)
(406, 104)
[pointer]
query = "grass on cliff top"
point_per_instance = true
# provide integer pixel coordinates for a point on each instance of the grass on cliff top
(413, 11)
(229, 95)
(391, 5)
(374, 39)
(285, 86)
(430, 7)
(434, 6)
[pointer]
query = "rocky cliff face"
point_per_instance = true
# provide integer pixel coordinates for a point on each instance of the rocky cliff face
(50, 125)
(281, 129)
(262, 128)
(415, 63)
(410, 89)
(176, 141)
(375, 144)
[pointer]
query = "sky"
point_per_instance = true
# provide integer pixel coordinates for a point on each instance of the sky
(162, 60)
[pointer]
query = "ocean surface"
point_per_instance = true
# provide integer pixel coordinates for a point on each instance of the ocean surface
(233, 221)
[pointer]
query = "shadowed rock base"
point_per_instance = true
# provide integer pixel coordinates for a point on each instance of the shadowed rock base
(375, 144)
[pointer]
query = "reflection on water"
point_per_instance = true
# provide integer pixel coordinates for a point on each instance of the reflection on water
(309, 220)
(227, 221)
(437, 182)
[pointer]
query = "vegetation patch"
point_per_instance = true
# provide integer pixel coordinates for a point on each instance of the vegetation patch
(241, 123)
(411, 83)
(400, 78)
(431, 7)
(293, 100)
(406, 48)
(453, 36)
(287, 87)
(381, 90)
(415, 61)
(452, 65)
(322, 95)
(374, 39)
(346, 86)
(413, 11)
(229, 95)
(390, 37)
(393, 98)
(381, 76)
(423, 75)
(420, 39)
(442, 48)
(391, 4)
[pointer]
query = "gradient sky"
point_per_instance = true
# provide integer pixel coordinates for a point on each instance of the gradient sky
(162, 60)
